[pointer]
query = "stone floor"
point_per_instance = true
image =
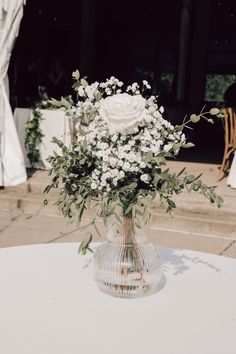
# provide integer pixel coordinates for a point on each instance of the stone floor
(195, 224)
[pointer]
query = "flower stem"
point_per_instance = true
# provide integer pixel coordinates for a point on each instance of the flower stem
(130, 249)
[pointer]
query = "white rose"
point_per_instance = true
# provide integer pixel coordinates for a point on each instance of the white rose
(122, 112)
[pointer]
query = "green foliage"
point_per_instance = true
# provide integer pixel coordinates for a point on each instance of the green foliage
(216, 85)
(63, 103)
(214, 111)
(33, 132)
(71, 175)
(78, 80)
(76, 75)
(84, 246)
(167, 81)
(195, 118)
(34, 136)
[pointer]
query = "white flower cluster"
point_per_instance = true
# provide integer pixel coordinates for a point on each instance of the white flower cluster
(135, 88)
(88, 91)
(121, 156)
(90, 95)
(111, 86)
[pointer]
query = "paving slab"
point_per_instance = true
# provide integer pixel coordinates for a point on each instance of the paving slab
(197, 223)
(31, 229)
(16, 236)
(189, 241)
(230, 251)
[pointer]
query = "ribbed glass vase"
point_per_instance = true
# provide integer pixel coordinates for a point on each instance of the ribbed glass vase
(127, 265)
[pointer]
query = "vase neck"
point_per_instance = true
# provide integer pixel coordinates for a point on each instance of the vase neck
(128, 232)
(125, 231)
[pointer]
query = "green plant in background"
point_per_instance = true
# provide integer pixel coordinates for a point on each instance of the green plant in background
(33, 132)
(167, 81)
(216, 85)
(34, 136)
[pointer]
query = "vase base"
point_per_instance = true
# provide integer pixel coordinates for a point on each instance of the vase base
(131, 291)
(128, 270)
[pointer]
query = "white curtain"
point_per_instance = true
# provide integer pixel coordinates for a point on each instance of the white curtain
(12, 166)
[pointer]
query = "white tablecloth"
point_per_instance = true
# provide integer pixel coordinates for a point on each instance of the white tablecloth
(53, 123)
(50, 304)
(231, 181)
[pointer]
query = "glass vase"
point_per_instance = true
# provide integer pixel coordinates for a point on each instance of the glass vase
(127, 266)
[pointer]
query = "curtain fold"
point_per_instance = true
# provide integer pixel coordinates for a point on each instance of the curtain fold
(12, 166)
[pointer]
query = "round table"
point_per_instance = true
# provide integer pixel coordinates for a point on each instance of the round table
(50, 304)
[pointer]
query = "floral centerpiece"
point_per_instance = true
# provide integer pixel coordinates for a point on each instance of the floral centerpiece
(117, 167)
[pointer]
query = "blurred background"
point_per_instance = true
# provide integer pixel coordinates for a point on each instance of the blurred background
(186, 49)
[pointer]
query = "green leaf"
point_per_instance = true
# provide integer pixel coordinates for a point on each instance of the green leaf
(82, 161)
(195, 118)
(147, 218)
(84, 246)
(57, 141)
(214, 111)
(138, 224)
(79, 199)
(150, 202)
(171, 204)
(65, 103)
(98, 96)
(76, 74)
(219, 201)
(133, 185)
(84, 83)
(190, 179)
(160, 160)
(148, 157)
(76, 85)
(176, 147)
(30, 124)
(179, 127)
(55, 102)
(188, 145)
(210, 121)
(128, 209)
(220, 114)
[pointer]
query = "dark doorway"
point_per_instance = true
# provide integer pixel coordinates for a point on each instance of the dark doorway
(186, 49)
